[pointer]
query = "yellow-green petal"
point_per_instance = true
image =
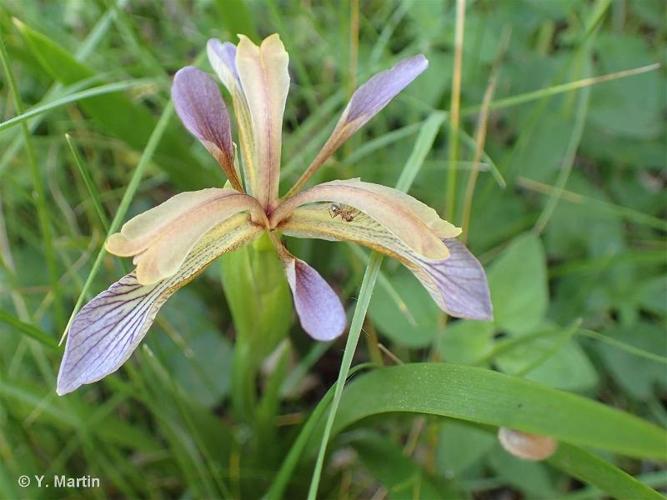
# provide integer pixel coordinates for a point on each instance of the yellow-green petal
(162, 237)
(265, 82)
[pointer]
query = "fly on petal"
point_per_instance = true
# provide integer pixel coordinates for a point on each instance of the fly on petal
(200, 107)
(457, 283)
(418, 226)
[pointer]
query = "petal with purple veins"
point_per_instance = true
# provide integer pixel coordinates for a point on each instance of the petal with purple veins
(105, 332)
(457, 283)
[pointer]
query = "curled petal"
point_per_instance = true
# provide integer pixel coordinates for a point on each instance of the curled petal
(200, 107)
(319, 309)
(366, 102)
(457, 283)
(265, 82)
(222, 57)
(414, 223)
(161, 238)
(106, 331)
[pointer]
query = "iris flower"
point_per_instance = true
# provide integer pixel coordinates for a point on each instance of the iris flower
(172, 243)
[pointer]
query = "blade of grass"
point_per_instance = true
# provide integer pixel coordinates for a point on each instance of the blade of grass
(28, 329)
(75, 97)
(90, 185)
(560, 89)
(454, 113)
(488, 397)
(604, 206)
(567, 162)
(39, 193)
(409, 173)
(597, 472)
(130, 191)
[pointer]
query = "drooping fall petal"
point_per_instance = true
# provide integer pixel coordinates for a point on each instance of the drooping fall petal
(200, 107)
(366, 102)
(457, 283)
(320, 312)
(265, 82)
(414, 223)
(222, 57)
(109, 328)
(161, 238)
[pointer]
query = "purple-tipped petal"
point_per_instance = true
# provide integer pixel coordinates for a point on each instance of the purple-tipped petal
(456, 283)
(222, 57)
(366, 102)
(107, 330)
(319, 309)
(200, 107)
(377, 92)
(461, 281)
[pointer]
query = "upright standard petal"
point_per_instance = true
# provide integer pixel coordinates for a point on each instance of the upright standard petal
(265, 82)
(457, 283)
(411, 221)
(366, 102)
(222, 57)
(161, 238)
(200, 107)
(319, 309)
(109, 328)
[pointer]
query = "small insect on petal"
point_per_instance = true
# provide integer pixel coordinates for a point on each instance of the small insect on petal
(319, 309)
(526, 446)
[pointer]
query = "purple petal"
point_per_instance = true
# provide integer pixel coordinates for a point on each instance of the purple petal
(107, 330)
(222, 57)
(319, 309)
(200, 107)
(377, 92)
(461, 281)
(366, 102)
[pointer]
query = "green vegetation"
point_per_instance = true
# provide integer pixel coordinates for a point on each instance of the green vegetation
(543, 134)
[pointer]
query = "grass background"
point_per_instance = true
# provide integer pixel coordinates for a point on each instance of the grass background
(567, 215)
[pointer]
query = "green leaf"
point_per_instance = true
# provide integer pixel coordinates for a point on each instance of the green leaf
(460, 446)
(488, 397)
(401, 476)
(415, 327)
(466, 342)
(116, 114)
(640, 377)
(518, 283)
(552, 359)
(28, 329)
(587, 467)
